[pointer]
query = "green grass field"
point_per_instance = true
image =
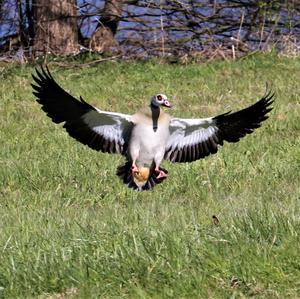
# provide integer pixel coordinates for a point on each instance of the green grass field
(70, 228)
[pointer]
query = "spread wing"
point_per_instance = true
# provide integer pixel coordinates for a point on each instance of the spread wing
(100, 130)
(193, 139)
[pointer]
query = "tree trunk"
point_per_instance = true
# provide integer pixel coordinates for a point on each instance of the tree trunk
(22, 35)
(30, 20)
(55, 29)
(103, 38)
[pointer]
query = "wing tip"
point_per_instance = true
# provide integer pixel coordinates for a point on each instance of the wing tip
(268, 98)
(42, 73)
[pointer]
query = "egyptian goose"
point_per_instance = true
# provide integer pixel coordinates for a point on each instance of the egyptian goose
(149, 136)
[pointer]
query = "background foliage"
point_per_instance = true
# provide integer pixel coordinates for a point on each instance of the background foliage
(198, 28)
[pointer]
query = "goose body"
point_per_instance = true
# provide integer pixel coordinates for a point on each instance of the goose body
(148, 144)
(149, 136)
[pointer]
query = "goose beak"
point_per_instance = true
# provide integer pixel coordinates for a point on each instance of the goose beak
(167, 104)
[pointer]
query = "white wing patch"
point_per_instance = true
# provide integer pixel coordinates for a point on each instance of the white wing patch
(110, 127)
(184, 132)
(107, 124)
(191, 139)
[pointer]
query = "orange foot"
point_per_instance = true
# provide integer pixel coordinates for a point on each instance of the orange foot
(161, 174)
(134, 168)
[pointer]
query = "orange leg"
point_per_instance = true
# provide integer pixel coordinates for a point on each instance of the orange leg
(161, 173)
(134, 168)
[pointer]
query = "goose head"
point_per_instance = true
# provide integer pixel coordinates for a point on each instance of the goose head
(160, 100)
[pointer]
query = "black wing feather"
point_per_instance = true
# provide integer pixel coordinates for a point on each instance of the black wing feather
(230, 127)
(233, 126)
(60, 106)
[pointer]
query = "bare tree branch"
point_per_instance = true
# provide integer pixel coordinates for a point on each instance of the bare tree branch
(156, 27)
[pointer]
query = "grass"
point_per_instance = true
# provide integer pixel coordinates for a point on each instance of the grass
(69, 227)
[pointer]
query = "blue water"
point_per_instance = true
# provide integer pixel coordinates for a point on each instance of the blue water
(128, 32)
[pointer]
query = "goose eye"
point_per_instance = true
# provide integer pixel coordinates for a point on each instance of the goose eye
(159, 97)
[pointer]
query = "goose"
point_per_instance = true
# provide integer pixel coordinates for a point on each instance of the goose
(149, 136)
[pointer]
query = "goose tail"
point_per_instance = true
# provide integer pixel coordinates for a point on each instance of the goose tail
(144, 179)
